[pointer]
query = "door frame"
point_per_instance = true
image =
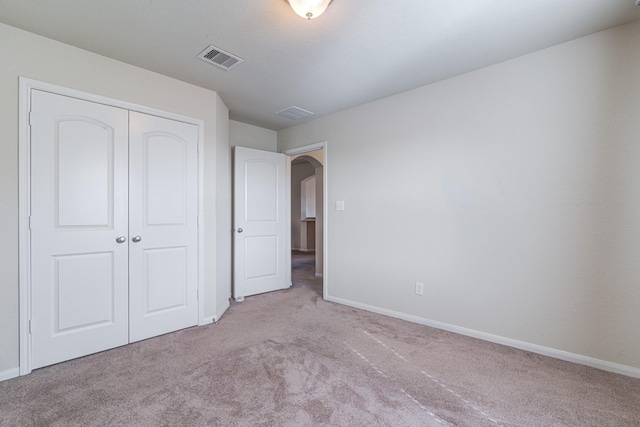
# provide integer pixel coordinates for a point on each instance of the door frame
(325, 206)
(26, 85)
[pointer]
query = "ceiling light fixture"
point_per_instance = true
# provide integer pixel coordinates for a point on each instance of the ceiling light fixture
(309, 9)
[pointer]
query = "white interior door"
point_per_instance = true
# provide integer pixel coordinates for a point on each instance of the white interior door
(79, 277)
(163, 215)
(261, 223)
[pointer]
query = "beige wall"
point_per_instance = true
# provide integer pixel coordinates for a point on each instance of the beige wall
(244, 135)
(32, 56)
(223, 267)
(512, 192)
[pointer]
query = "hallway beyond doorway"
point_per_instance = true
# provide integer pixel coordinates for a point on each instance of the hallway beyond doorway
(303, 268)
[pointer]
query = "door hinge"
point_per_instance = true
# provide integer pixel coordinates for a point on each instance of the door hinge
(30, 118)
(29, 325)
(29, 222)
(198, 294)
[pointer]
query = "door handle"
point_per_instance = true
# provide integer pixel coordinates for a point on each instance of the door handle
(240, 230)
(136, 239)
(121, 239)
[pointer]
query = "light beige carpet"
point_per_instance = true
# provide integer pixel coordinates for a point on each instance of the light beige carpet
(290, 358)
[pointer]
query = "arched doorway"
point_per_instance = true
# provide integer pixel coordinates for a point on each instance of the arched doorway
(307, 220)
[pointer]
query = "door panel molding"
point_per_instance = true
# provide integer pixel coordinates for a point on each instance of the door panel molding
(26, 86)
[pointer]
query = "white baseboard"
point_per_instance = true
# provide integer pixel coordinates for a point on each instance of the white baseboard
(224, 309)
(604, 365)
(9, 373)
(207, 320)
(213, 319)
(319, 275)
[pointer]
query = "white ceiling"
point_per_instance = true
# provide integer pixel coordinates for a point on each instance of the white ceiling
(358, 51)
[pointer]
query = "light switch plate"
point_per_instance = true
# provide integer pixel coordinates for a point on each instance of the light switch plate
(339, 205)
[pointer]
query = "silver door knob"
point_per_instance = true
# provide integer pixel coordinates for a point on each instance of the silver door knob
(121, 239)
(240, 230)
(136, 239)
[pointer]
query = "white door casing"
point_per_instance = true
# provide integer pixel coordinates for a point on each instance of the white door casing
(262, 261)
(79, 168)
(163, 214)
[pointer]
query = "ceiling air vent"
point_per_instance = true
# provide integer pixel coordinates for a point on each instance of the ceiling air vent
(294, 113)
(220, 58)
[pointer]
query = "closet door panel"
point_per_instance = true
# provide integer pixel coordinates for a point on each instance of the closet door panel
(163, 225)
(79, 272)
(166, 195)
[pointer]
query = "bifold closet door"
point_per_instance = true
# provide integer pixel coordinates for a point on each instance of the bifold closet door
(163, 225)
(79, 228)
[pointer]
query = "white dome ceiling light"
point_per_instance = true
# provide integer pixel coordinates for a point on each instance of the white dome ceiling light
(309, 9)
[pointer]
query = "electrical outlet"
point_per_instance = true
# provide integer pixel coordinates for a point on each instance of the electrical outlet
(419, 288)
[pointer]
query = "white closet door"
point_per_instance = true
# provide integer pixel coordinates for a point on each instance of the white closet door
(79, 294)
(163, 225)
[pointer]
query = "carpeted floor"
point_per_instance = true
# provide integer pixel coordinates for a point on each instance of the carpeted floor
(289, 358)
(303, 271)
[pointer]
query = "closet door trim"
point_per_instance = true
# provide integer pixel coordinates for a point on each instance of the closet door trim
(24, 196)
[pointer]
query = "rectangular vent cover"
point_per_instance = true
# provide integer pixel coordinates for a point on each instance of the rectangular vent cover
(294, 113)
(220, 58)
